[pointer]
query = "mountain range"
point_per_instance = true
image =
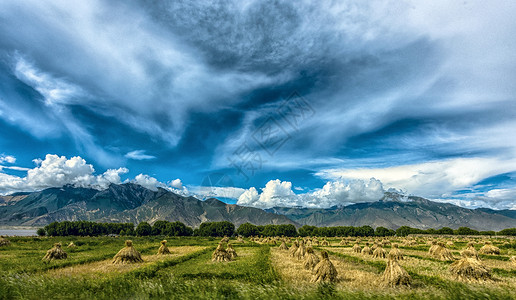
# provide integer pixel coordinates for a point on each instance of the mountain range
(133, 203)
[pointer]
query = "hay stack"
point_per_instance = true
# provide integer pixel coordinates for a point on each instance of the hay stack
(311, 259)
(240, 240)
(442, 253)
(55, 253)
(71, 245)
(127, 255)
(225, 239)
(343, 242)
(324, 270)
(489, 249)
(513, 260)
(232, 253)
(469, 268)
(283, 246)
(301, 250)
(292, 250)
(449, 244)
(366, 250)
(4, 242)
(379, 252)
(472, 251)
(220, 254)
(356, 248)
(163, 249)
(432, 247)
(395, 253)
(325, 242)
(395, 275)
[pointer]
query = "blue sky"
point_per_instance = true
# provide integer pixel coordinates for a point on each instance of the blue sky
(262, 103)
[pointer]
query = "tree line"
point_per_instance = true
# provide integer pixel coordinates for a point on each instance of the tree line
(225, 228)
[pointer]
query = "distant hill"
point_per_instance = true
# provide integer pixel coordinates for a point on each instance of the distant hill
(134, 203)
(394, 210)
(124, 203)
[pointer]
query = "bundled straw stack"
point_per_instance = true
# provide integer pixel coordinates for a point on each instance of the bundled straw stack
(55, 253)
(395, 275)
(232, 253)
(301, 250)
(379, 252)
(366, 250)
(163, 249)
(220, 254)
(469, 268)
(356, 248)
(240, 240)
(489, 249)
(4, 242)
(324, 271)
(513, 260)
(293, 249)
(395, 253)
(127, 255)
(432, 247)
(311, 259)
(472, 251)
(283, 245)
(325, 242)
(71, 245)
(440, 252)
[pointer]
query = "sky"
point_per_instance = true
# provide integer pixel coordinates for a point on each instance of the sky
(262, 103)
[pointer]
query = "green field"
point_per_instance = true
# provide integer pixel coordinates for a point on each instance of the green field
(261, 271)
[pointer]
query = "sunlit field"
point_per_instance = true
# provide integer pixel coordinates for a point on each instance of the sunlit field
(260, 271)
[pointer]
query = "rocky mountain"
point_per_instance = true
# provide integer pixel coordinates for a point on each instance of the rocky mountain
(124, 203)
(134, 203)
(394, 210)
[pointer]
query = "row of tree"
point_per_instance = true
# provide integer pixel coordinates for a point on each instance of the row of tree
(225, 228)
(85, 228)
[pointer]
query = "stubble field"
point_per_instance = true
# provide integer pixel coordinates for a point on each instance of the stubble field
(260, 271)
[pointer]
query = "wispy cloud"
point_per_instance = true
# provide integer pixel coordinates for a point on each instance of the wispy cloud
(139, 155)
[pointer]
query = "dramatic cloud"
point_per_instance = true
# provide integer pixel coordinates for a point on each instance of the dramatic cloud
(56, 171)
(431, 179)
(419, 95)
(139, 155)
(279, 193)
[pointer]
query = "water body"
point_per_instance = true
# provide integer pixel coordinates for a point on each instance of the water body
(17, 232)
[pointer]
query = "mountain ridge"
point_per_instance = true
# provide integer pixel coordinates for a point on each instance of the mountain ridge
(131, 202)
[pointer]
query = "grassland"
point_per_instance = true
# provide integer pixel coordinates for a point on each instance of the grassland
(261, 271)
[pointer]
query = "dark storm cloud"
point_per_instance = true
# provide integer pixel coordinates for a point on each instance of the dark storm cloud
(188, 82)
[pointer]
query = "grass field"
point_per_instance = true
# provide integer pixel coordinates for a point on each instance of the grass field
(261, 271)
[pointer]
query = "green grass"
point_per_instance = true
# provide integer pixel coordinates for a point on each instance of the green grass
(192, 276)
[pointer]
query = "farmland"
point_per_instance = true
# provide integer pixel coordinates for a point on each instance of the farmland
(260, 271)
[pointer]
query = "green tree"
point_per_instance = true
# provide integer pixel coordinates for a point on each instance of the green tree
(382, 231)
(41, 232)
(445, 230)
(507, 231)
(158, 228)
(247, 229)
(143, 229)
(466, 231)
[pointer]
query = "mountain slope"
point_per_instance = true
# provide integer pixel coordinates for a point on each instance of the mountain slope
(126, 203)
(392, 212)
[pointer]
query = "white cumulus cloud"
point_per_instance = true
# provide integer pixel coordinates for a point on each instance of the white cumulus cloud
(56, 171)
(279, 193)
(7, 159)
